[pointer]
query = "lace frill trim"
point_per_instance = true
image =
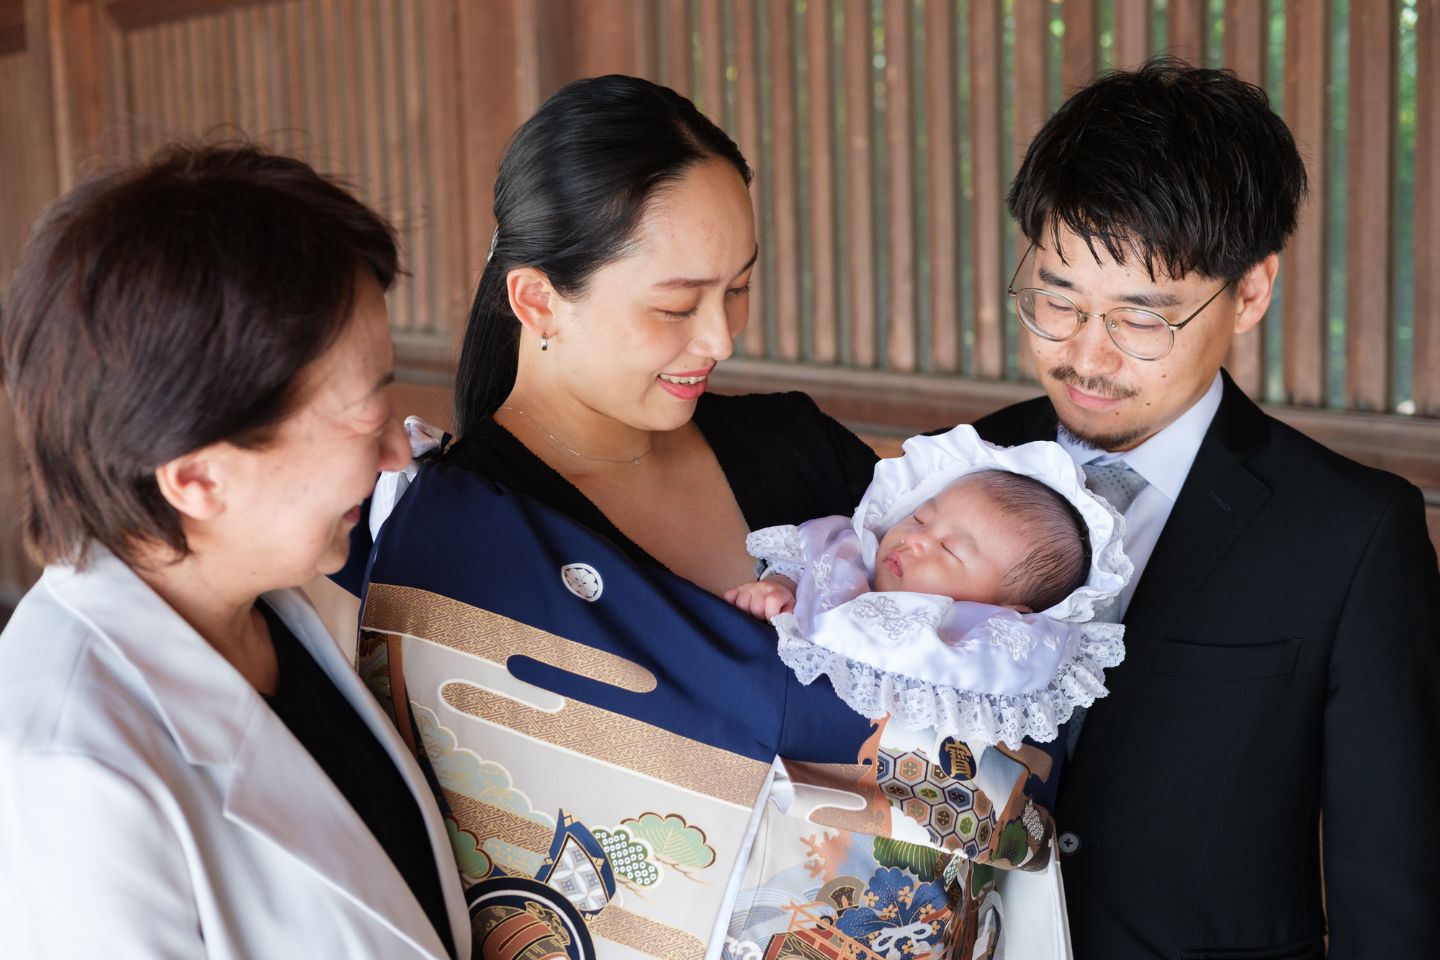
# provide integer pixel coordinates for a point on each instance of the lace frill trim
(976, 718)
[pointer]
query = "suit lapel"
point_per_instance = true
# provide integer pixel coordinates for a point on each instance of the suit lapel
(313, 634)
(218, 720)
(1219, 499)
(324, 833)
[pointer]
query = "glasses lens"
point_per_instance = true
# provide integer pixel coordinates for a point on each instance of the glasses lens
(1047, 314)
(1140, 333)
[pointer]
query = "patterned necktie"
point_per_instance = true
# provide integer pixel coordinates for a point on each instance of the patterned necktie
(1120, 485)
(1115, 482)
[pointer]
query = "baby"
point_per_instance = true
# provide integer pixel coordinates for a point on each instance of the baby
(991, 537)
(960, 595)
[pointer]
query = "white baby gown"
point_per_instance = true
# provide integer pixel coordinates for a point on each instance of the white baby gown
(980, 673)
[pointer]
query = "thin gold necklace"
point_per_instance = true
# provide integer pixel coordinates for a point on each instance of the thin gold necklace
(571, 450)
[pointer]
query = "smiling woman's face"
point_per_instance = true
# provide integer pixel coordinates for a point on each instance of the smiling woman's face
(640, 342)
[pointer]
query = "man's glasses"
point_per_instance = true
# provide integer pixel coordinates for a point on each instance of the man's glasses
(1138, 333)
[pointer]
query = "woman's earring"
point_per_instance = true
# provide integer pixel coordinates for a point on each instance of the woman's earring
(544, 344)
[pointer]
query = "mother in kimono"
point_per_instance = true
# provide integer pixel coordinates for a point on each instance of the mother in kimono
(542, 603)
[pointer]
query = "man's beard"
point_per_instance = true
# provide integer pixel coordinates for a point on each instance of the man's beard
(1101, 387)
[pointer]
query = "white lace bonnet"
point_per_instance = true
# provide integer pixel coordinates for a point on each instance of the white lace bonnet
(980, 673)
(928, 465)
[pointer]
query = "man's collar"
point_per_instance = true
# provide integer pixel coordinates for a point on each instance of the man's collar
(1163, 460)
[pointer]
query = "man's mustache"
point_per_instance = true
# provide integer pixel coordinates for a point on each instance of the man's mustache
(1095, 386)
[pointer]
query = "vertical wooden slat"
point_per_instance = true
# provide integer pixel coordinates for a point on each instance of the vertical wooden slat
(1307, 43)
(416, 144)
(747, 129)
(824, 349)
(373, 118)
(1185, 26)
(260, 49)
(488, 106)
(119, 74)
(675, 46)
(295, 55)
(899, 140)
(940, 174)
(1426, 381)
(1078, 49)
(859, 233)
(1132, 32)
(1244, 53)
(1369, 152)
(441, 175)
(279, 91)
(331, 81)
(987, 229)
(1031, 79)
(610, 37)
(712, 61)
(387, 126)
(785, 280)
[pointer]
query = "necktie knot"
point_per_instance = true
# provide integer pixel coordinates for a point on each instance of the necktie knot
(1116, 482)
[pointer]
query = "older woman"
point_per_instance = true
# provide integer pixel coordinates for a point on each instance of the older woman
(542, 603)
(188, 765)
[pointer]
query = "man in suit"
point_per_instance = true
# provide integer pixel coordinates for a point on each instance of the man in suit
(1266, 768)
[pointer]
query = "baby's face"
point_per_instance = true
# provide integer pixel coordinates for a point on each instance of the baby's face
(959, 544)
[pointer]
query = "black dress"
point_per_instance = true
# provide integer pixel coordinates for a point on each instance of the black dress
(785, 461)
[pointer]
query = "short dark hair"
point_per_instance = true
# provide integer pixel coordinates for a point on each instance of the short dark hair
(570, 194)
(1058, 563)
(1186, 168)
(164, 307)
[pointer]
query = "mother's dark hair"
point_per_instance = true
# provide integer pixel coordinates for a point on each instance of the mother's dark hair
(164, 307)
(571, 191)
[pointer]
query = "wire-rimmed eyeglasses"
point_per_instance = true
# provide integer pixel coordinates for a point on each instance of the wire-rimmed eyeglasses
(1135, 331)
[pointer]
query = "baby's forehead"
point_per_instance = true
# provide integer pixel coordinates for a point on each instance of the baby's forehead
(993, 490)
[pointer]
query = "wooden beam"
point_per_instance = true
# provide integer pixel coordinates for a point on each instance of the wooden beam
(1078, 49)
(785, 278)
(1031, 84)
(1303, 274)
(1131, 19)
(1185, 24)
(12, 26)
(824, 319)
(988, 220)
(1245, 54)
(940, 173)
(899, 136)
(1370, 151)
(1426, 376)
(860, 238)
(748, 136)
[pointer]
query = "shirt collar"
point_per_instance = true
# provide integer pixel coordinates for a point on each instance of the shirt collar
(1164, 460)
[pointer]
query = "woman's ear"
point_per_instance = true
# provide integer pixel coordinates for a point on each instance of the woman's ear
(532, 300)
(191, 483)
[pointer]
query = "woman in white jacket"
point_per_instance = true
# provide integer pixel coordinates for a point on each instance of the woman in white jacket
(197, 351)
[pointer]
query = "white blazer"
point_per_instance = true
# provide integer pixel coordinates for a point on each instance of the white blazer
(153, 805)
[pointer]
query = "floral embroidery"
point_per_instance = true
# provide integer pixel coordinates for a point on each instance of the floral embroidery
(1006, 633)
(885, 614)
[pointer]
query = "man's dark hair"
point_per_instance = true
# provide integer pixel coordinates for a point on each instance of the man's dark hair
(1058, 563)
(573, 186)
(1186, 168)
(164, 307)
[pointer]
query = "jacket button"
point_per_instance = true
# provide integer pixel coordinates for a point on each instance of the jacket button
(1069, 843)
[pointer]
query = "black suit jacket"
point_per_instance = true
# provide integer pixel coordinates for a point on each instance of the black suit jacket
(1282, 669)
